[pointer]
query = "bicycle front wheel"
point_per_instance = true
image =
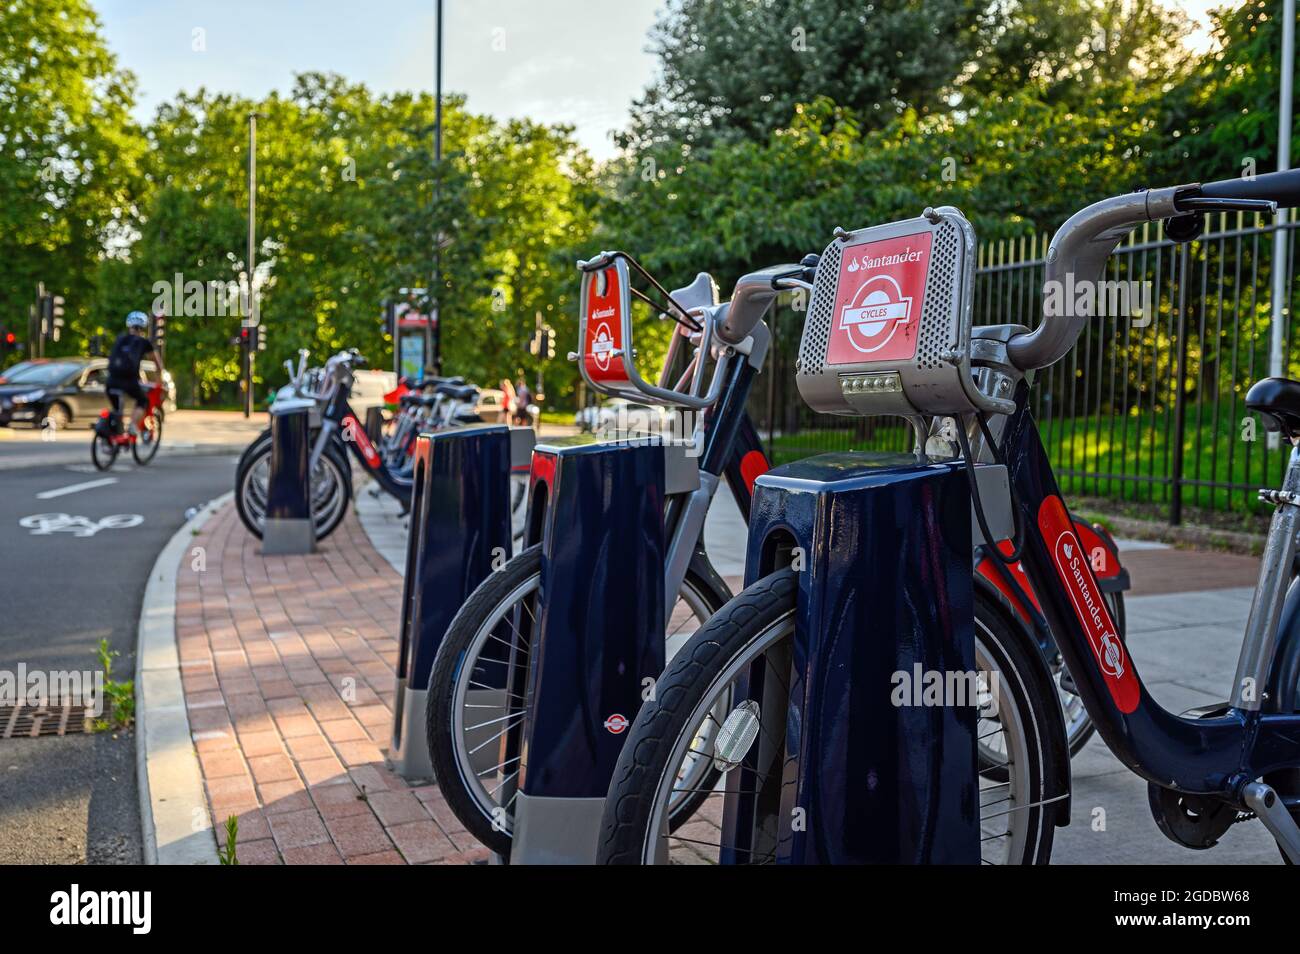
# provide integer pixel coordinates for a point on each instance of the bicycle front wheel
(146, 445)
(330, 490)
(476, 695)
(749, 646)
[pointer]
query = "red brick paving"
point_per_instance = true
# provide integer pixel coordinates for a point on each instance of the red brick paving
(1171, 570)
(287, 664)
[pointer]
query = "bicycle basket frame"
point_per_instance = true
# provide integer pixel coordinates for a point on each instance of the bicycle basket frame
(606, 359)
(889, 323)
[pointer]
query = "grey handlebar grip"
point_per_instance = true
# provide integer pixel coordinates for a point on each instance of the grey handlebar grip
(1280, 187)
(750, 301)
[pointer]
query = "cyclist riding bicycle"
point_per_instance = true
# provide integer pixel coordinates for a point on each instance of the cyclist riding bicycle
(130, 348)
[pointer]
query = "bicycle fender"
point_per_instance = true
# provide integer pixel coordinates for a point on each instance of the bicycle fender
(1055, 731)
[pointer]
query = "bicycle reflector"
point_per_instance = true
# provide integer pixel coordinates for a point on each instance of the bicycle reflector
(889, 324)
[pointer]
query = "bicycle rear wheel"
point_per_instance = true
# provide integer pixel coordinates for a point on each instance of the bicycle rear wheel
(751, 640)
(146, 444)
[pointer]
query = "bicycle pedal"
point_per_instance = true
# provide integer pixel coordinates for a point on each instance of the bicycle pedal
(1267, 804)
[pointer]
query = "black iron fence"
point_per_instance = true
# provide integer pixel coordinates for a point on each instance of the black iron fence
(1149, 405)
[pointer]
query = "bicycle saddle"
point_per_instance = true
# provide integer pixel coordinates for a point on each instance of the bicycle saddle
(1277, 401)
(458, 392)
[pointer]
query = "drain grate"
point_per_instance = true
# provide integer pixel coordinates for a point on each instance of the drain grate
(28, 722)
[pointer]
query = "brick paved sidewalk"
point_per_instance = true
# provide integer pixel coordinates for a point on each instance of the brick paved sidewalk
(287, 665)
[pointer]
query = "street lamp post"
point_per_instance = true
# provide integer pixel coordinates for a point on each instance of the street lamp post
(1277, 362)
(252, 260)
(433, 327)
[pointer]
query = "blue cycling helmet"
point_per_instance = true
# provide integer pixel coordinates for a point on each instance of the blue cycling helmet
(137, 319)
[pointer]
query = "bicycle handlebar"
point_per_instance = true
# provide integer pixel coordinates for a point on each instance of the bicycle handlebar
(1079, 250)
(752, 297)
(1280, 187)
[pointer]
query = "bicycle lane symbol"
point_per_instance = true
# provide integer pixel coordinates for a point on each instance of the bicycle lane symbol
(45, 524)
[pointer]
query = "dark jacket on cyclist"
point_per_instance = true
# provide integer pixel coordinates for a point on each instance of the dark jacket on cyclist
(124, 366)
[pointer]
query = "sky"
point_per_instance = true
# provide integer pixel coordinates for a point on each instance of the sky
(580, 62)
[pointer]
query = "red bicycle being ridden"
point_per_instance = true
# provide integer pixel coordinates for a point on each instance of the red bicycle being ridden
(110, 437)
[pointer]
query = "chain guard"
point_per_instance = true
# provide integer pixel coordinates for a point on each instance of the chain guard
(1193, 821)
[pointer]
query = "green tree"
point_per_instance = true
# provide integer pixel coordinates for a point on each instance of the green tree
(69, 158)
(1222, 119)
(1068, 50)
(1014, 165)
(735, 69)
(346, 216)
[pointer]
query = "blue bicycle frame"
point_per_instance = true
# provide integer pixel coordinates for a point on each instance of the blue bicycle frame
(338, 419)
(1218, 755)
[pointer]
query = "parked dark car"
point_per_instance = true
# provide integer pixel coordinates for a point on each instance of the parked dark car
(63, 391)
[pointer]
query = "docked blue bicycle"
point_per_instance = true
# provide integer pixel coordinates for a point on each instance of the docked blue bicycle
(486, 670)
(479, 687)
(1206, 768)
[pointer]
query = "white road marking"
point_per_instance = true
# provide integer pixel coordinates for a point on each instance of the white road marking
(44, 524)
(75, 488)
(119, 466)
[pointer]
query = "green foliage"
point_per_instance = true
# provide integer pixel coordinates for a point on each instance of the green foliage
(735, 69)
(1016, 164)
(1225, 114)
(70, 157)
(226, 854)
(121, 695)
(1067, 50)
(346, 212)
(517, 200)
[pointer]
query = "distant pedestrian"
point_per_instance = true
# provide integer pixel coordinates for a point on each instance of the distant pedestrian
(523, 398)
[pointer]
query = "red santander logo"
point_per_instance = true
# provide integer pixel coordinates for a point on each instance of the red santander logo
(878, 300)
(1090, 607)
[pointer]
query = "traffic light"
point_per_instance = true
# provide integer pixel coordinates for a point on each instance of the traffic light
(97, 345)
(550, 342)
(248, 338)
(158, 334)
(259, 338)
(56, 326)
(390, 319)
(8, 342)
(48, 316)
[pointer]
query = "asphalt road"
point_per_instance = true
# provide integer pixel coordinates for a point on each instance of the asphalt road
(73, 799)
(185, 432)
